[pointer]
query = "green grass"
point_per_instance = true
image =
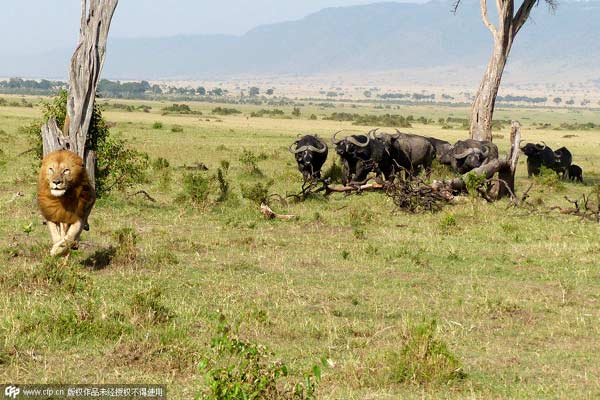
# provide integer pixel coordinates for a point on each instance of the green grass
(514, 293)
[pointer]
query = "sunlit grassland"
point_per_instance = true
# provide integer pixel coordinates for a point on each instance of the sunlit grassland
(515, 293)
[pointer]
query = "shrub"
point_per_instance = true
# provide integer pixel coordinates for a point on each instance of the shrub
(549, 178)
(225, 111)
(180, 109)
(157, 125)
(424, 359)
(223, 185)
(258, 193)
(177, 129)
(270, 113)
(196, 188)
(448, 221)
(249, 162)
(473, 181)
(238, 370)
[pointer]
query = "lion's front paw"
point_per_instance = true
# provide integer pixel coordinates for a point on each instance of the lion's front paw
(60, 248)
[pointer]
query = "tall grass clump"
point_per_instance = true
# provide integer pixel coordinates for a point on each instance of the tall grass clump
(424, 359)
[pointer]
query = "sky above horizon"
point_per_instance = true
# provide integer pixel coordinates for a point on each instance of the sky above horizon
(38, 25)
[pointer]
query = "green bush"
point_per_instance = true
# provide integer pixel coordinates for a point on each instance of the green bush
(180, 109)
(157, 125)
(236, 369)
(549, 178)
(225, 111)
(258, 193)
(223, 185)
(196, 188)
(270, 113)
(249, 162)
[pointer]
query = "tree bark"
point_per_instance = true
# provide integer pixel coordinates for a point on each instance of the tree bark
(84, 74)
(503, 35)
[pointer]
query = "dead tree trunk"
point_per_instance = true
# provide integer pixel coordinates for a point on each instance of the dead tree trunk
(84, 74)
(503, 35)
(504, 184)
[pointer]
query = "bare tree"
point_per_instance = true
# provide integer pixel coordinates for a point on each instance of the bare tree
(84, 74)
(509, 24)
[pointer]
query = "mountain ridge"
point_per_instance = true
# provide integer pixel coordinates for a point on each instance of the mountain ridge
(358, 39)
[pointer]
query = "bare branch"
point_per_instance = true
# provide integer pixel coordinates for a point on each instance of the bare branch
(523, 13)
(486, 20)
(455, 6)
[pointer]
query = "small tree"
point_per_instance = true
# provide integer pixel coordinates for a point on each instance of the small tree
(253, 91)
(201, 91)
(504, 33)
(86, 66)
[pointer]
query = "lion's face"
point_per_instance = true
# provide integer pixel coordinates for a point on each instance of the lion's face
(63, 170)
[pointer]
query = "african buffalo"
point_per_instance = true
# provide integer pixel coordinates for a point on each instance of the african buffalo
(575, 173)
(539, 155)
(562, 161)
(441, 146)
(413, 151)
(466, 155)
(310, 153)
(361, 155)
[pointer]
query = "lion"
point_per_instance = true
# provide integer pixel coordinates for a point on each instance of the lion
(65, 198)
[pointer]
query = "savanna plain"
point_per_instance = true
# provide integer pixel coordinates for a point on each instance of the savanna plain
(353, 296)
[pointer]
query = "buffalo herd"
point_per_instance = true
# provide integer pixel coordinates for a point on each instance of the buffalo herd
(560, 161)
(386, 155)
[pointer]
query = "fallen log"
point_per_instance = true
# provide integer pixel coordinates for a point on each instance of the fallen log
(503, 186)
(270, 214)
(358, 188)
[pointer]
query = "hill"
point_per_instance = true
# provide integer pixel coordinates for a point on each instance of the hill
(370, 38)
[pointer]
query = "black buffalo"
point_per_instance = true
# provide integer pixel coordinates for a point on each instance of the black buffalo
(539, 155)
(575, 173)
(361, 155)
(310, 153)
(562, 161)
(466, 155)
(441, 146)
(413, 152)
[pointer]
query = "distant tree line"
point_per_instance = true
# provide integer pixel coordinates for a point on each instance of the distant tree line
(25, 86)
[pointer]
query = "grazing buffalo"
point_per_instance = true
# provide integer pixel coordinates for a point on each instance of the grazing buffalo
(310, 153)
(361, 155)
(466, 155)
(575, 173)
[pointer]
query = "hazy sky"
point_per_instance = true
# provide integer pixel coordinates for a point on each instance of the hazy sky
(35, 25)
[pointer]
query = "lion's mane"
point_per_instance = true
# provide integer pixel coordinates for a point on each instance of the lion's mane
(79, 196)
